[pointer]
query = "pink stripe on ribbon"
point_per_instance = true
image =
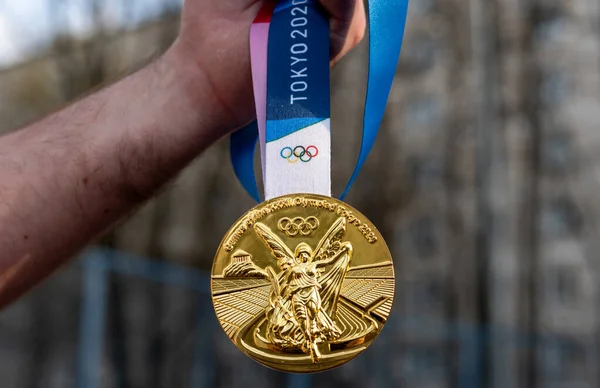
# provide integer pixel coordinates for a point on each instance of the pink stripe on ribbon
(259, 43)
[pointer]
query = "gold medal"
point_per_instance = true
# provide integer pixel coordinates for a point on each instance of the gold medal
(302, 283)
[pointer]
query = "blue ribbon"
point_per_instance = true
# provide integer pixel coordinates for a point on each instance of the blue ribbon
(387, 22)
(242, 148)
(312, 105)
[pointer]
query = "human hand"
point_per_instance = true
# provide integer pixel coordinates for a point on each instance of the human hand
(214, 41)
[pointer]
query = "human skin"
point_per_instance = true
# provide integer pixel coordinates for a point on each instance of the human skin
(69, 177)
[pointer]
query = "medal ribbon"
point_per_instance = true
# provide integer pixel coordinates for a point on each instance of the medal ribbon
(298, 139)
(301, 120)
(243, 142)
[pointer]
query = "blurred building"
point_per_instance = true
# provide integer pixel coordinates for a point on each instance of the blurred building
(567, 51)
(483, 182)
(495, 135)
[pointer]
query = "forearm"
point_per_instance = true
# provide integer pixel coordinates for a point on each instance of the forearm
(66, 179)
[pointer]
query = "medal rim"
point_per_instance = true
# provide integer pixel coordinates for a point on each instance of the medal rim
(283, 364)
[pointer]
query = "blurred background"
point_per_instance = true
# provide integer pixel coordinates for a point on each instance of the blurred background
(484, 182)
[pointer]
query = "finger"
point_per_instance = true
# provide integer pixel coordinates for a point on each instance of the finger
(348, 24)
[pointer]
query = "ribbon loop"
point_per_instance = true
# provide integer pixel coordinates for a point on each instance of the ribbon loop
(387, 23)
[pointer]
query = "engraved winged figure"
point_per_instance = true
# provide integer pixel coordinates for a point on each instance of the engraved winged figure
(303, 299)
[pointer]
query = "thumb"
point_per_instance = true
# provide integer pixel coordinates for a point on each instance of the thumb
(348, 24)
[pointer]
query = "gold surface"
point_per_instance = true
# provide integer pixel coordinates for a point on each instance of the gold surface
(302, 283)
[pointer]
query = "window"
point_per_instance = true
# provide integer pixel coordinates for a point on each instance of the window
(423, 237)
(557, 152)
(418, 56)
(550, 25)
(427, 296)
(555, 88)
(564, 285)
(567, 358)
(423, 7)
(549, 31)
(425, 173)
(421, 111)
(561, 217)
(424, 364)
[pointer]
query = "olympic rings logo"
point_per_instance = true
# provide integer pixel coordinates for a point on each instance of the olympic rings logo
(298, 225)
(299, 153)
